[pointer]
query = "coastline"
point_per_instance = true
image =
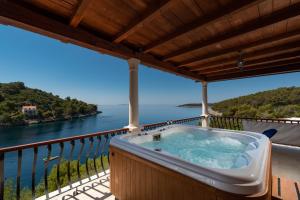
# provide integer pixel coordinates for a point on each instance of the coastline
(34, 122)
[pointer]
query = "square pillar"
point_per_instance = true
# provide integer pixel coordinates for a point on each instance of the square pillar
(133, 95)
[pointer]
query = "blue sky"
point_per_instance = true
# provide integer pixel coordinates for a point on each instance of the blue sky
(69, 70)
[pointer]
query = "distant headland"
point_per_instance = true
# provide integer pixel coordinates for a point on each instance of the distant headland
(277, 103)
(191, 105)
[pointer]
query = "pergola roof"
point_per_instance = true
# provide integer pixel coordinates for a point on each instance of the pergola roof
(197, 39)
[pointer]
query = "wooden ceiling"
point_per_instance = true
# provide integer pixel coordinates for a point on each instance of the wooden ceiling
(197, 39)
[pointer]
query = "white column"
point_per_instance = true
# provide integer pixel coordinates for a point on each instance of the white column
(204, 105)
(133, 95)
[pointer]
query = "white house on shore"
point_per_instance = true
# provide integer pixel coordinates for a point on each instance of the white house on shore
(29, 110)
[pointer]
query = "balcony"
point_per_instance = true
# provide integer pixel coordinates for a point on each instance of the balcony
(204, 42)
(78, 167)
(70, 166)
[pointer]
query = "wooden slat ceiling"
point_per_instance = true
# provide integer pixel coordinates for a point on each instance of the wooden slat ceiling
(197, 39)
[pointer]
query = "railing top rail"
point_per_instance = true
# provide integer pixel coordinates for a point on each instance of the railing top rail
(264, 119)
(176, 120)
(155, 124)
(55, 141)
(77, 137)
(190, 118)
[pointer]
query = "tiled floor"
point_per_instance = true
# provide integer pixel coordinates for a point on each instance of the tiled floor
(96, 188)
(285, 163)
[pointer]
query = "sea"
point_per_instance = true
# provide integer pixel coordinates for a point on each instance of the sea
(112, 117)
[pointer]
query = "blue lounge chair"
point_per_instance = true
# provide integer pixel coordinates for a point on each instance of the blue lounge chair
(270, 132)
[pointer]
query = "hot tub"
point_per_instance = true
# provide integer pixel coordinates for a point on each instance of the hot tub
(230, 162)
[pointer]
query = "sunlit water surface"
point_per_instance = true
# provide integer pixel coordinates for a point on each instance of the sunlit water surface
(113, 117)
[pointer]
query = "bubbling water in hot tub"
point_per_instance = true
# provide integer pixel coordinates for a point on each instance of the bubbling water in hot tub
(204, 148)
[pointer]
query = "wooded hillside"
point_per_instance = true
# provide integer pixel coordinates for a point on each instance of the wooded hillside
(49, 107)
(278, 103)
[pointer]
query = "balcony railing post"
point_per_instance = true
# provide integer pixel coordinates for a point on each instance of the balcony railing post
(236, 123)
(240, 123)
(230, 123)
(61, 145)
(88, 155)
(96, 154)
(72, 143)
(217, 122)
(35, 153)
(102, 152)
(79, 158)
(46, 164)
(18, 189)
(2, 175)
(108, 141)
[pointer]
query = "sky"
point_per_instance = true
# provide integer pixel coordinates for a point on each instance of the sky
(69, 70)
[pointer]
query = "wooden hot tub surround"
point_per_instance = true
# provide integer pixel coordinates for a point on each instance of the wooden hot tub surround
(134, 178)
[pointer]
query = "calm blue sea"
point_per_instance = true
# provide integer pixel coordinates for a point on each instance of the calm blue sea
(113, 117)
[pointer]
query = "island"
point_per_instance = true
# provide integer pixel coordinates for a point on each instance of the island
(190, 105)
(21, 105)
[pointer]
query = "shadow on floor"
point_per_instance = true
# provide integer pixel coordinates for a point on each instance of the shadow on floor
(95, 189)
(286, 162)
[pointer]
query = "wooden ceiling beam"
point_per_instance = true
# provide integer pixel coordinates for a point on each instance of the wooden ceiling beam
(278, 16)
(236, 49)
(79, 13)
(19, 16)
(146, 17)
(268, 59)
(203, 21)
(249, 56)
(256, 66)
(295, 67)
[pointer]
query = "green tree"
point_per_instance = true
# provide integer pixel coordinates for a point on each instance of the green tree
(246, 111)
(18, 118)
(5, 118)
(2, 98)
(58, 111)
(47, 114)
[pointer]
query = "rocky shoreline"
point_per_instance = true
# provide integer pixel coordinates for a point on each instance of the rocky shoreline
(32, 122)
